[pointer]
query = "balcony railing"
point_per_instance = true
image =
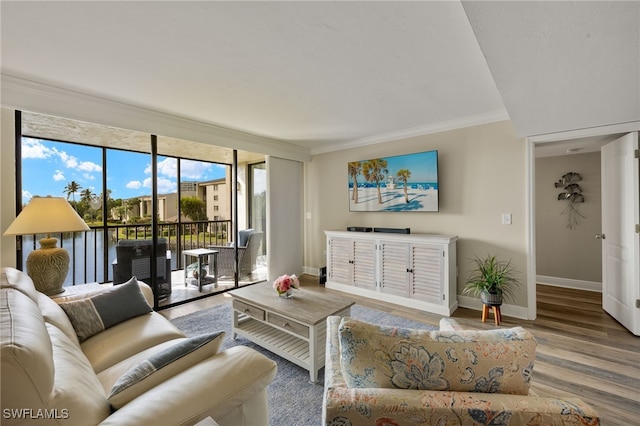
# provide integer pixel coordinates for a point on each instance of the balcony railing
(91, 254)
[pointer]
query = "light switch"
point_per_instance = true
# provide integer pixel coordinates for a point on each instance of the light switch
(506, 218)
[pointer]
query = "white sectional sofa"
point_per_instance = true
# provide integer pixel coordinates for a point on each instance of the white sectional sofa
(50, 376)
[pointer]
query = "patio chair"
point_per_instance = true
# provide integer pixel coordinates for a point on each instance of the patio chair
(248, 246)
(133, 258)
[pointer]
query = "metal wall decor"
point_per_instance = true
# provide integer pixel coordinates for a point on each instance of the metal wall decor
(573, 195)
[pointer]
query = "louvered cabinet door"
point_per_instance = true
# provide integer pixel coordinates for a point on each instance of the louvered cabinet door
(394, 268)
(427, 277)
(364, 264)
(340, 260)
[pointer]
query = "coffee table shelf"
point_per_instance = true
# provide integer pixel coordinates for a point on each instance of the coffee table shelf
(280, 342)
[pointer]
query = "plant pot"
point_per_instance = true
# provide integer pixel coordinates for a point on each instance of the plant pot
(492, 299)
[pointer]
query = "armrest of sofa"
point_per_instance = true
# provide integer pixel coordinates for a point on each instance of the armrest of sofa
(214, 387)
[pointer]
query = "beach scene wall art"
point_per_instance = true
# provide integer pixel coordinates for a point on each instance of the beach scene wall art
(402, 183)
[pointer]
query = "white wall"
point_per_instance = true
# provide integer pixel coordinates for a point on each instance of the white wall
(564, 255)
(7, 186)
(284, 216)
(482, 174)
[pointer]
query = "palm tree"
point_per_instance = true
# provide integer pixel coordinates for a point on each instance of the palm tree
(374, 171)
(403, 176)
(355, 168)
(88, 200)
(86, 196)
(71, 189)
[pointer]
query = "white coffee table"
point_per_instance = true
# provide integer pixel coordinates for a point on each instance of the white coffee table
(293, 328)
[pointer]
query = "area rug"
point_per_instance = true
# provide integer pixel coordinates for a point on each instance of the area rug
(293, 399)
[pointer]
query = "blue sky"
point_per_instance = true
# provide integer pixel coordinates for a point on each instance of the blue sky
(48, 167)
(423, 165)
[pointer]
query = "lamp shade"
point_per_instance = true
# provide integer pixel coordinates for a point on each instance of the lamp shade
(44, 215)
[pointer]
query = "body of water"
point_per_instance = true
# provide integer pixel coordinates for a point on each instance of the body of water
(86, 251)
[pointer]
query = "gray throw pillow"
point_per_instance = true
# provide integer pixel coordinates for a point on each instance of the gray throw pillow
(94, 314)
(163, 365)
(243, 237)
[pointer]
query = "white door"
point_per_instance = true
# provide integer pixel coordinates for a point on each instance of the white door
(620, 238)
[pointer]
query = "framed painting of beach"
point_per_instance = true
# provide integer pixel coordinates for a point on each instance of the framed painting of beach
(402, 183)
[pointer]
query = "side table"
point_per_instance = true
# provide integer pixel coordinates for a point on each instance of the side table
(201, 254)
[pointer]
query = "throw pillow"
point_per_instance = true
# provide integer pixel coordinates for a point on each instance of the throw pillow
(94, 314)
(489, 361)
(163, 365)
(243, 237)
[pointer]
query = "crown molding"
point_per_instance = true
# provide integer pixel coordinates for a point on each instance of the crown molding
(23, 94)
(631, 126)
(459, 123)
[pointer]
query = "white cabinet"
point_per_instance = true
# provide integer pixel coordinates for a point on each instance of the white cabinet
(352, 262)
(415, 270)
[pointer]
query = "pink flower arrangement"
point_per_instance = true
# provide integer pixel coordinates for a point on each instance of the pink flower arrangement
(284, 283)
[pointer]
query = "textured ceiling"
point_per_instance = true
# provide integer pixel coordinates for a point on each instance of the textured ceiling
(311, 73)
(326, 75)
(562, 65)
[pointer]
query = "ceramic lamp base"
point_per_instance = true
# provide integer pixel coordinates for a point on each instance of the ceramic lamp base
(48, 267)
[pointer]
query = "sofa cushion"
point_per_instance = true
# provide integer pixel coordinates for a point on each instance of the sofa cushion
(94, 314)
(27, 357)
(163, 365)
(128, 338)
(77, 390)
(55, 315)
(18, 280)
(491, 361)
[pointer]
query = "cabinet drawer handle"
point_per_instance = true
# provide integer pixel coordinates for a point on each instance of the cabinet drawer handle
(285, 324)
(247, 310)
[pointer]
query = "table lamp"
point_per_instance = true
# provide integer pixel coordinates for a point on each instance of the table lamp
(49, 265)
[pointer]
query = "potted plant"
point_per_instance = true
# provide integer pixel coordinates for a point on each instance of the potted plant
(494, 280)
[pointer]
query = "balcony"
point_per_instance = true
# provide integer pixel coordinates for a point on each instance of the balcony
(93, 252)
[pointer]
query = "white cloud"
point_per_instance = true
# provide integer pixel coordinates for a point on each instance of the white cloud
(88, 166)
(32, 148)
(166, 167)
(164, 185)
(194, 169)
(190, 169)
(26, 195)
(88, 176)
(58, 176)
(134, 184)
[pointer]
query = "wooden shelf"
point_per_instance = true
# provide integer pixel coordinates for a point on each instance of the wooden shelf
(288, 346)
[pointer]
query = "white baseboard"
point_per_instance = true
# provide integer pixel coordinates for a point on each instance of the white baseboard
(311, 271)
(506, 309)
(569, 283)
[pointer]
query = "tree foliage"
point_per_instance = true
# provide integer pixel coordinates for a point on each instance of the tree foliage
(193, 208)
(375, 171)
(355, 168)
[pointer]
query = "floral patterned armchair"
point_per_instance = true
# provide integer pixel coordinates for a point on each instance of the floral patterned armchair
(379, 375)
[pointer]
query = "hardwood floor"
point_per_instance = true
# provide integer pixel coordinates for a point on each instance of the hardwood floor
(582, 351)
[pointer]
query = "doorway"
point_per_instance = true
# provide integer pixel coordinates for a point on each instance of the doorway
(588, 250)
